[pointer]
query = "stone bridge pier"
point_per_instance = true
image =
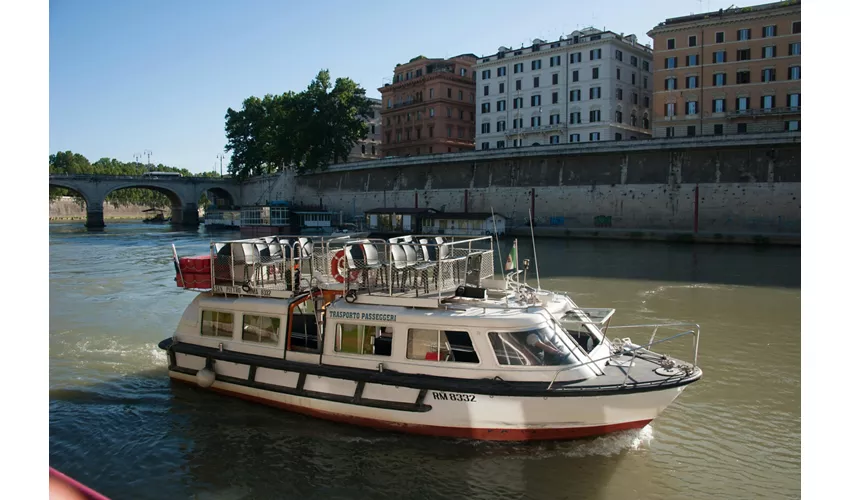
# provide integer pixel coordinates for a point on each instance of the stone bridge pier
(183, 193)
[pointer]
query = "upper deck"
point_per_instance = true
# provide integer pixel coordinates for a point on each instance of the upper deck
(411, 270)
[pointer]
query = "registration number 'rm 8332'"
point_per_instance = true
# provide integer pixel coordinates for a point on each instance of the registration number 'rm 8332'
(453, 396)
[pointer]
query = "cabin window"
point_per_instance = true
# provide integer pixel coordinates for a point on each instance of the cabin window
(217, 324)
(304, 333)
(262, 329)
(437, 345)
(537, 347)
(363, 339)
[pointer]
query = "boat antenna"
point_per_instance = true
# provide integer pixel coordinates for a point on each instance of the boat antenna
(498, 248)
(534, 248)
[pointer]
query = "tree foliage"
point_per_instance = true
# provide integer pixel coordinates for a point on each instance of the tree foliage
(306, 131)
(67, 162)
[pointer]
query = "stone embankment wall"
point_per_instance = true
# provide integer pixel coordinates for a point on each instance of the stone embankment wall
(67, 208)
(748, 184)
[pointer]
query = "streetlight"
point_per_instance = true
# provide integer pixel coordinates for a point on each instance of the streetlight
(220, 157)
(149, 153)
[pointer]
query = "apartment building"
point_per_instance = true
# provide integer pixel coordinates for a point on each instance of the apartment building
(591, 86)
(370, 147)
(733, 71)
(429, 107)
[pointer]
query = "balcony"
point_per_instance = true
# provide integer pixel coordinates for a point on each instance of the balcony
(538, 129)
(765, 112)
(404, 104)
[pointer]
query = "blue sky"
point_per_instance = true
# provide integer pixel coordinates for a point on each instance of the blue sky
(128, 76)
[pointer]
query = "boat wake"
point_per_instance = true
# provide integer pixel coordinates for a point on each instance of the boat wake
(602, 446)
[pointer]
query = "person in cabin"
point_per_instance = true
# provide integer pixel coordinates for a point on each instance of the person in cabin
(545, 350)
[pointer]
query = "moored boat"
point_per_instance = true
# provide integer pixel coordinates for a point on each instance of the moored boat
(415, 334)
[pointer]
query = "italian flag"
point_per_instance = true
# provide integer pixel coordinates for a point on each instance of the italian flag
(512, 262)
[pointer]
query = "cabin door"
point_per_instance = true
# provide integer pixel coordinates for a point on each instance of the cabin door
(302, 328)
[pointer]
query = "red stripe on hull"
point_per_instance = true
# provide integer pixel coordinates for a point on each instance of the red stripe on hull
(435, 430)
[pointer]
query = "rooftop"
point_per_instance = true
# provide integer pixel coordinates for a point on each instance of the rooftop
(586, 35)
(722, 13)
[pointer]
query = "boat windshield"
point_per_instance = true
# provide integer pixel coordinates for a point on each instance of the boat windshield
(541, 346)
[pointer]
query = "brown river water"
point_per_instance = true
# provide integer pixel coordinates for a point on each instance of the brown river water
(119, 426)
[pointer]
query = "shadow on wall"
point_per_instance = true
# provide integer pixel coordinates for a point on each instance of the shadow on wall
(660, 261)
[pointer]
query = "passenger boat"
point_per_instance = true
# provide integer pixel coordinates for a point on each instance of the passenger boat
(415, 334)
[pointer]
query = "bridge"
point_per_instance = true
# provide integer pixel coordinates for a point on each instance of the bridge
(183, 192)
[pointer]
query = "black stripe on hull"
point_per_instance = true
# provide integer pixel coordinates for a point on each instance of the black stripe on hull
(300, 391)
(487, 387)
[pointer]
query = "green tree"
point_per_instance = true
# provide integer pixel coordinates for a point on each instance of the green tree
(306, 131)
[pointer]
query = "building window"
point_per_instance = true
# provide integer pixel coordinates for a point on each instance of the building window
(595, 54)
(619, 93)
(743, 54)
(793, 101)
(460, 95)
(669, 84)
(575, 137)
(670, 63)
(618, 55)
(575, 75)
(792, 125)
(430, 93)
(594, 73)
(633, 78)
(502, 88)
(743, 103)
(485, 75)
(535, 100)
(517, 123)
(363, 149)
(448, 112)
(500, 126)
(536, 82)
(634, 61)
(500, 144)
(719, 105)
(486, 90)
(554, 139)
(692, 130)
(485, 145)
(646, 101)
(618, 136)
(768, 102)
(645, 65)
(485, 108)
(692, 41)
(671, 43)
(742, 77)
(718, 129)
(485, 128)
(518, 103)
(618, 73)
(575, 117)
(670, 131)
(719, 79)
(448, 130)
(742, 128)
(449, 93)
(645, 82)
(768, 51)
(634, 98)
(518, 68)
(794, 73)
(363, 339)
(575, 57)
(691, 108)
(501, 105)
(502, 71)
(216, 324)
(744, 34)
(768, 75)
(794, 49)
(595, 92)
(418, 132)
(719, 37)
(692, 82)
(595, 116)
(554, 98)
(575, 95)
(554, 78)
(535, 65)
(554, 119)
(594, 136)
(518, 84)
(795, 28)
(554, 61)
(670, 109)
(719, 56)
(768, 31)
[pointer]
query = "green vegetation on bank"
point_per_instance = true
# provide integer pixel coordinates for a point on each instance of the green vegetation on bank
(67, 162)
(306, 131)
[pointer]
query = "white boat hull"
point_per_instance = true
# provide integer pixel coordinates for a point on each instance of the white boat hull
(461, 415)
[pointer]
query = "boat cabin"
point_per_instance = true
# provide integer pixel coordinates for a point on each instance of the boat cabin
(396, 221)
(463, 223)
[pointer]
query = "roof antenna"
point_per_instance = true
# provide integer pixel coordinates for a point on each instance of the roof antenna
(534, 248)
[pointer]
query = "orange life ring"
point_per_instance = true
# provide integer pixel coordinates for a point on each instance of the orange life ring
(338, 268)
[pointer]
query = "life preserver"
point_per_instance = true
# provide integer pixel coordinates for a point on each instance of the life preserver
(338, 268)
